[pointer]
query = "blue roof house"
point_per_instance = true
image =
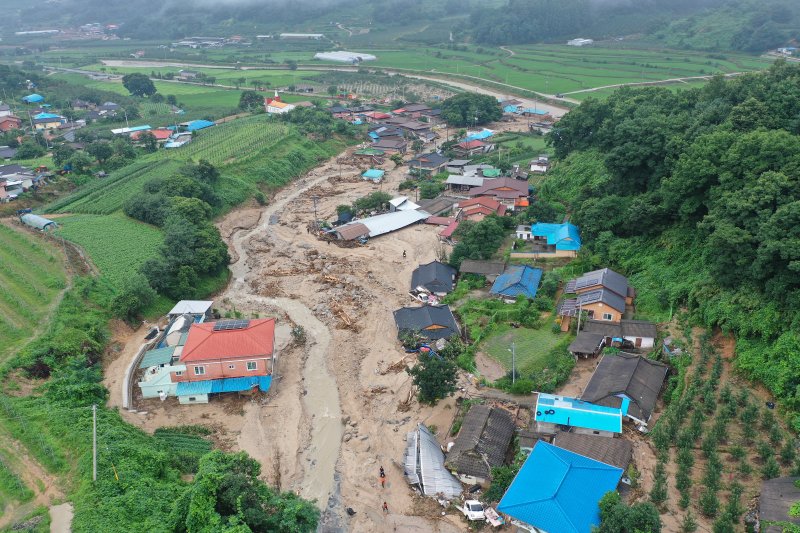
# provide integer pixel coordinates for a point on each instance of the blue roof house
(558, 239)
(558, 491)
(199, 125)
(554, 412)
(517, 280)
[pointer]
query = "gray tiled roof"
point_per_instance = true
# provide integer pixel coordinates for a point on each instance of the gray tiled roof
(638, 378)
(482, 442)
(777, 496)
(420, 319)
(625, 328)
(434, 276)
(605, 277)
(586, 342)
(614, 452)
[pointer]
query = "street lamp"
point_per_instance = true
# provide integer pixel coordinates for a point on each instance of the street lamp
(314, 199)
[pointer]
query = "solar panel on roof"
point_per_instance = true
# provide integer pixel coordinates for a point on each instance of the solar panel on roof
(227, 325)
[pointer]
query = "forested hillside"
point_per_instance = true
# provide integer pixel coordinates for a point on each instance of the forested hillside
(747, 25)
(696, 194)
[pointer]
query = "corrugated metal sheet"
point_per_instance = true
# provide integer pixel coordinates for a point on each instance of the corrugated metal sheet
(388, 222)
(216, 386)
(159, 356)
(423, 465)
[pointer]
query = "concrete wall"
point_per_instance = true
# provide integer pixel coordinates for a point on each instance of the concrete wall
(543, 255)
(194, 398)
(647, 342)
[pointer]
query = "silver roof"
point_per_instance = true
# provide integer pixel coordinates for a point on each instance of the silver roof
(424, 465)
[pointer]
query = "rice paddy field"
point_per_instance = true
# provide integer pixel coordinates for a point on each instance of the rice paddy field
(31, 277)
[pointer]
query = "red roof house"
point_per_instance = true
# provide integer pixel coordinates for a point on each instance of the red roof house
(161, 134)
(9, 123)
(505, 190)
(476, 209)
(228, 349)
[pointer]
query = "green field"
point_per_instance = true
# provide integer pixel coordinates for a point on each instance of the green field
(532, 347)
(31, 276)
(118, 245)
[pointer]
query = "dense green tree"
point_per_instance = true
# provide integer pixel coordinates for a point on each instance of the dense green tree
(251, 100)
(434, 376)
(148, 141)
(62, 154)
(138, 84)
(134, 295)
(470, 109)
(100, 150)
(617, 517)
(80, 162)
(29, 149)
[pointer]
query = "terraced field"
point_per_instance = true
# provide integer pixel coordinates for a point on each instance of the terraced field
(31, 277)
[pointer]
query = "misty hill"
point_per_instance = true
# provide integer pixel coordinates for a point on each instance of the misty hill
(748, 25)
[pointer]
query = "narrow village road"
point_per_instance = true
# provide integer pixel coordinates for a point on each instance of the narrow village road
(321, 399)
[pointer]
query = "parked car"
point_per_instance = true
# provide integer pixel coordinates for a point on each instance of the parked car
(473, 510)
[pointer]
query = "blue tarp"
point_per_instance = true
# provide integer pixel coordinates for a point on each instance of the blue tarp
(518, 280)
(199, 125)
(373, 174)
(510, 109)
(532, 111)
(33, 98)
(558, 491)
(216, 386)
(481, 135)
(572, 412)
(45, 115)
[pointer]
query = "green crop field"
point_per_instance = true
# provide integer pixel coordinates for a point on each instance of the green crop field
(118, 245)
(31, 276)
(532, 347)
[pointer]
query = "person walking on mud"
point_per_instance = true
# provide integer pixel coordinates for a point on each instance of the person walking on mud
(404, 254)
(385, 508)
(383, 478)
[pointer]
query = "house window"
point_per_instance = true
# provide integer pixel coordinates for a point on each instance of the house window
(596, 432)
(252, 365)
(231, 367)
(199, 370)
(607, 316)
(179, 372)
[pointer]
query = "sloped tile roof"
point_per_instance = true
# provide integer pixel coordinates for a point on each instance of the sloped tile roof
(205, 344)
(482, 442)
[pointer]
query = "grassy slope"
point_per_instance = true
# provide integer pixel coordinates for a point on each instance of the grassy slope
(31, 276)
(532, 347)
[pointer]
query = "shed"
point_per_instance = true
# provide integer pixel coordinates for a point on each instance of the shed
(482, 443)
(191, 307)
(373, 174)
(352, 231)
(777, 496)
(557, 490)
(157, 357)
(40, 223)
(518, 280)
(614, 452)
(388, 222)
(587, 344)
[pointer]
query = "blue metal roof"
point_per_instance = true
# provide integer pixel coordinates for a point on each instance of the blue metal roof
(373, 174)
(564, 236)
(46, 115)
(518, 280)
(534, 111)
(216, 386)
(577, 413)
(199, 125)
(558, 491)
(481, 135)
(33, 98)
(510, 109)
(159, 356)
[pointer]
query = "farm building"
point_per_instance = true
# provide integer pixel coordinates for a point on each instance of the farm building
(463, 184)
(427, 164)
(482, 444)
(402, 203)
(517, 280)
(344, 57)
(432, 322)
(507, 191)
(587, 344)
(196, 125)
(125, 131)
(274, 105)
(540, 164)
(558, 491)
(580, 416)
(437, 206)
(423, 465)
(627, 382)
(434, 277)
(476, 209)
(388, 222)
(40, 223)
(352, 231)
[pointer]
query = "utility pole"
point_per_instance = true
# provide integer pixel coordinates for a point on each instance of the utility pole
(513, 363)
(94, 442)
(314, 199)
(580, 310)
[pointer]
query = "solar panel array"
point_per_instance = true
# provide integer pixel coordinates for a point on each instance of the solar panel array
(227, 325)
(588, 281)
